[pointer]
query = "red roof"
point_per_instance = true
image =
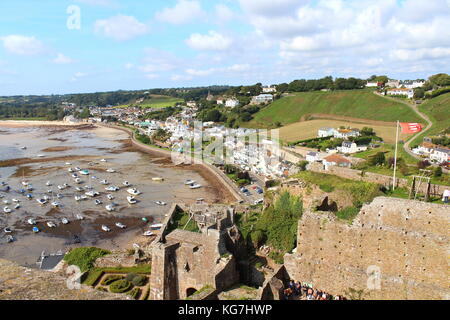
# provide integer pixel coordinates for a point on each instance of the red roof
(336, 159)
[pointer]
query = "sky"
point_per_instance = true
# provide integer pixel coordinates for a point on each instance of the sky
(75, 46)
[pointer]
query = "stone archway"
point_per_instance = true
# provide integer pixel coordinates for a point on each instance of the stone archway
(190, 291)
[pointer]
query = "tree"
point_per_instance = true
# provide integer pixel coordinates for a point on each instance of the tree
(378, 159)
(283, 87)
(302, 165)
(437, 172)
(419, 93)
(423, 164)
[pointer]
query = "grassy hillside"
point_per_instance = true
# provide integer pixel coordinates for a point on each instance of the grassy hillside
(438, 109)
(362, 104)
(155, 101)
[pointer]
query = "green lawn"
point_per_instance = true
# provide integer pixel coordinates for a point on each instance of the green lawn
(160, 102)
(362, 104)
(438, 109)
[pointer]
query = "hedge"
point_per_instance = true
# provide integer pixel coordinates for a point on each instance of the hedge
(120, 286)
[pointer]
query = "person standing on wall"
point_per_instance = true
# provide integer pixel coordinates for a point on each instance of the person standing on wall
(446, 196)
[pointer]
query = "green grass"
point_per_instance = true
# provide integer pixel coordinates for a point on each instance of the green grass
(362, 104)
(94, 274)
(160, 102)
(84, 258)
(438, 109)
(181, 221)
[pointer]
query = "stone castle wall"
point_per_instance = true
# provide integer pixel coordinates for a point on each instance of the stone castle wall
(400, 245)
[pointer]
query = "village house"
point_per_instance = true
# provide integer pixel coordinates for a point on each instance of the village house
(393, 83)
(262, 98)
(373, 84)
(412, 84)
(269, 89)
(349, 147)
(325, 132)
(401, 92)
(440, 155)
(191, 104)
(346, 133)
(336, 160)
(232, 103)
(312, 157)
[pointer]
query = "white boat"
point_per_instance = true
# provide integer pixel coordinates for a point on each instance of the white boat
(46, 198)
(103, 160)
(120, 225)
(92, 193)
(48, 184)
(89, 187)
(64, 221)
(112, 188)
(51, 224)
(131, 200)
(158, 179)
(134, 191)
(98, 202)
(78, 181)
(111, 170)
(17, 206)
(195, 186)
(148, 233)
(24, 183)
(49, 191)
(59, 196)
(41, 201)
(189, 182)
(55, 204)
(77, 169)
(7, 230)
(110, 197)
(29, 187)
(84, 172)
(9, 239)
(24, 148)
(80, 198)
(68, 164)
(40, 155)
(156, 226)
(80, 217)
(70, 170)
(110, 207)
(105, 228)
(74, 175)
(62, 187)
(6, 201)
(104, 182)
(31, 221)
(160, 203)
(7, 210)
(126, 184)
(79, 189)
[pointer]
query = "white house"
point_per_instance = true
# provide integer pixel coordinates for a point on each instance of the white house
(440, 155)
(262, 98)
(393, 83)
(312, 157)
(232, 103)
(191, 104)
(346, 133)
(401, 92)
(336, 160)
(325, 132)
(413, 84)
(372, 85)
(349, 147)
(269, 89)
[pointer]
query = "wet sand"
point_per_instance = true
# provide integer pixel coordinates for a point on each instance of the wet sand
(92, 145)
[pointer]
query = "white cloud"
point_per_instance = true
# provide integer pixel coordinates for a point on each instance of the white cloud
(224, 13)
(212, 41)
(121, 27)
(23, 45)
(103, 3)
(178, 77)
(62, 59)
(185, 11)
(78, 75)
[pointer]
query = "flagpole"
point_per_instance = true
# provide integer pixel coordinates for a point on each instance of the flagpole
(395, 157)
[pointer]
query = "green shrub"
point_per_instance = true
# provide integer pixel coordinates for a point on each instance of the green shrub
(136, 279)
(135, 293)
(326, 187)
(348, 213)
(120, 286)
(84, 258)
(110, 279)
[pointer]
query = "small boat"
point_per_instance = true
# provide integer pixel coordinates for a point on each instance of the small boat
(46, 198)
(36, 229)
(61, 187)
(131, 200)
(24, 148)
(70, 170)
(55, 204)
(31, 221)
(145, 219)
(7, 210)
(148, 233)
(48, 184)
(159, 179)
(65, 185)
(112, 188)
(195, 186)
(126, 184)
(29, 196)
(94, 177)
(120, 225)
(92, 194)
(16, 200)
(84, 172)
(7, 230)
(40, 155)
(24, 183)
(103, 160)
(111, 170)
(9, 239)
(59, 196)
(51, 224)
(68, 164)
(189, 182)
(3, 183)
(160, 203)
(105, 228)
(77, 180)
(98, 202)
(64, 221)
(17, 206)
(80, 217)
(110, 197)
(41, 201)
(134, 191)
(104, 182)
(156, 226)
(110, 207)
(6, 202)
(29, 187)
(22, 191)
(49, 191)
(74, 175)
(78, 198)
(79, 189)
(77, 169)
(88, 187)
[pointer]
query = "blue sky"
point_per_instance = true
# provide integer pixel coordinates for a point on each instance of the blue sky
(139, 44)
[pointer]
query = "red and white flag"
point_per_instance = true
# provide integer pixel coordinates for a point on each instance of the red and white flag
(411, 127)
